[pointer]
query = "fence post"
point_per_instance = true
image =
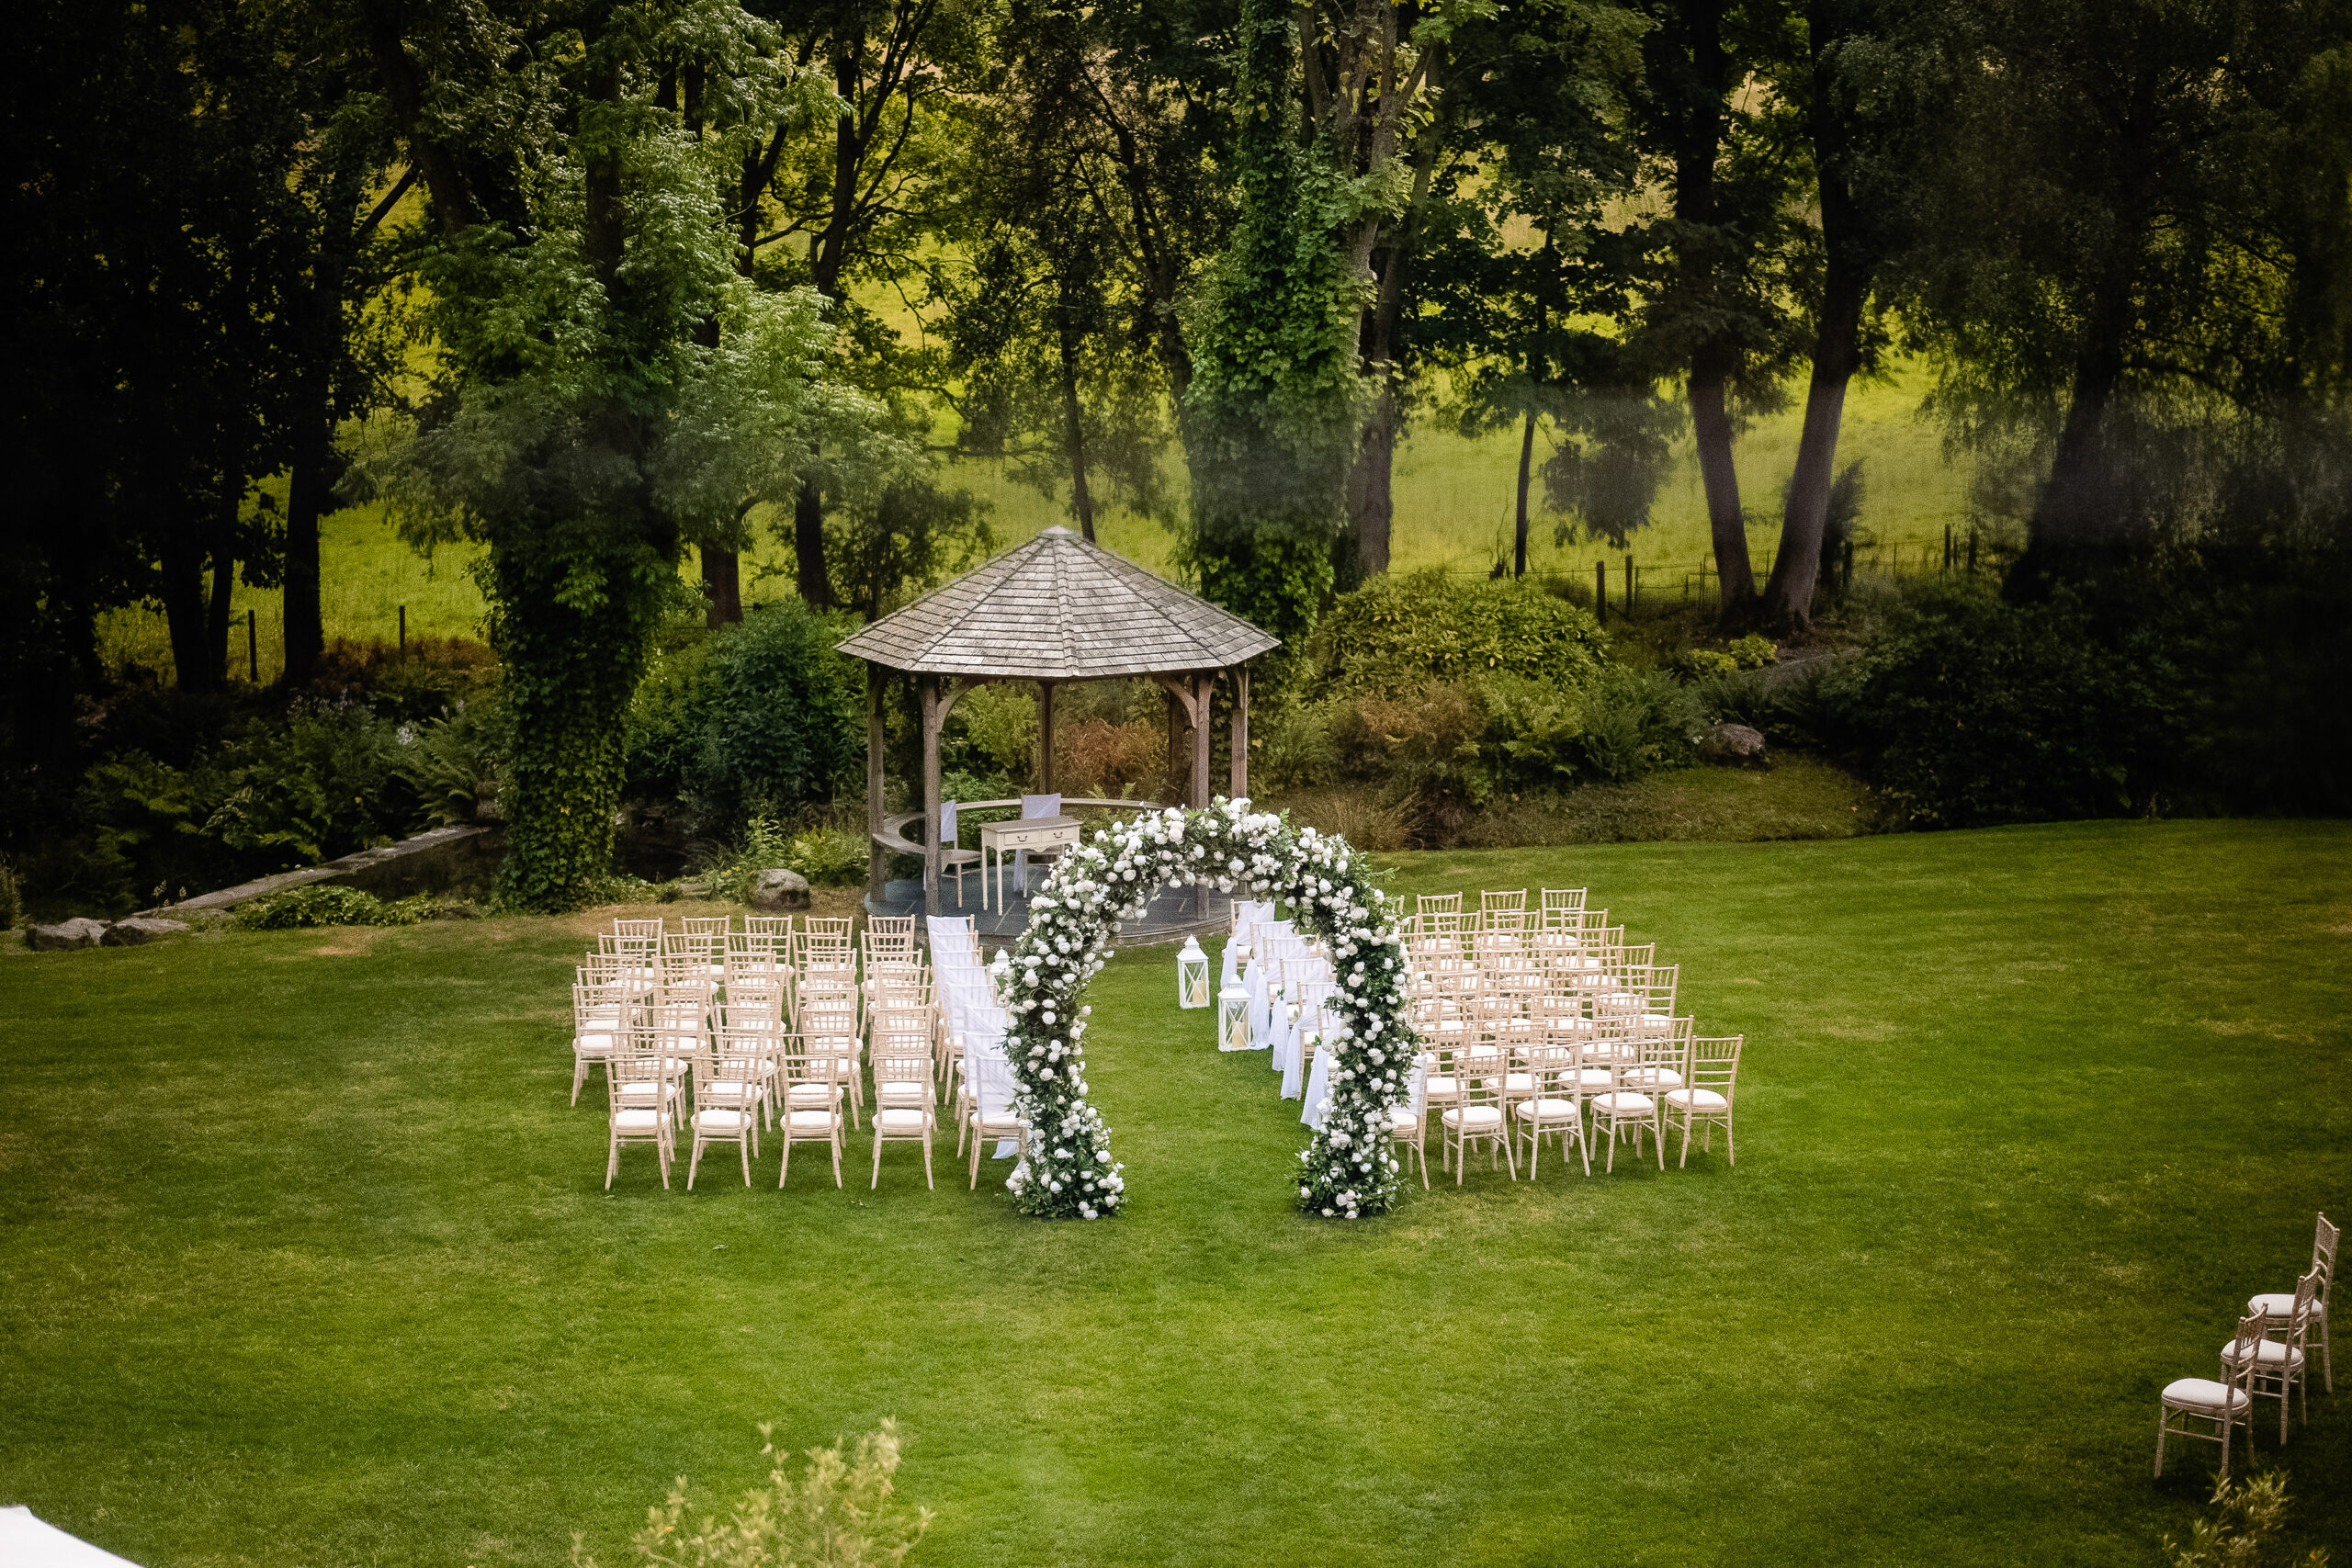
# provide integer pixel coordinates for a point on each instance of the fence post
(1946, 547)
(253, 649)
(1601, 590)
(404, 631)
(1628, 582)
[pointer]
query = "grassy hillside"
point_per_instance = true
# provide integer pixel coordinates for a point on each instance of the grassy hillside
(309, 1261)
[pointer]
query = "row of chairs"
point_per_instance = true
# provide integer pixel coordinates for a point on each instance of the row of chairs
(2268, 1356)
(775, 1034)
(1541, 1022)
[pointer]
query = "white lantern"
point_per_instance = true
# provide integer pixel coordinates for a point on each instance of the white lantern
(1192, 976)
(1233, 1018)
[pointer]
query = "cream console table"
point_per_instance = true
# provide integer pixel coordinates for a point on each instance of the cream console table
(1001, 838)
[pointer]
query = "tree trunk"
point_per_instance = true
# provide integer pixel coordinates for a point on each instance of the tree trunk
(1372, 500)
(1788, 597)
(1074, 425)
(305, 504)
(809, 547)
(216, 615)
(722, 585)
(1519, 538)
(2076, 517)
(1711, 425)
(180, 585)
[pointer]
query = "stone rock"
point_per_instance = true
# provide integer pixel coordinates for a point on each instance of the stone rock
(779, 890)
(140, 929)
(60, 938)
(1733, 743)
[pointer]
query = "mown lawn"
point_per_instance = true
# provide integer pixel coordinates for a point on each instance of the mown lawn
(306, 1260)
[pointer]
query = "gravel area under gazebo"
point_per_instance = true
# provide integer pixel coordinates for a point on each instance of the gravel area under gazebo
(1053, 610)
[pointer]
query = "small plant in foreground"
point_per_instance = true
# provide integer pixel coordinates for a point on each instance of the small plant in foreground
(839, 1513)
(2243, 1529)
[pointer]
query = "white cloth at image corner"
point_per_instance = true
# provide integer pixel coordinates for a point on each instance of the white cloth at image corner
(29, 1542)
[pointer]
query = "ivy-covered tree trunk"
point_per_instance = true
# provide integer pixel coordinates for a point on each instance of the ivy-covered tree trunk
(1274, 410)
(570, 672)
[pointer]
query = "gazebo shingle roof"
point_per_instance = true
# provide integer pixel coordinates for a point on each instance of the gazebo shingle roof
(1059, 609)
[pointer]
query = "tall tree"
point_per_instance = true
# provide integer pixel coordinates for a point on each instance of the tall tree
(1716, 305)
(857, 206)
(2122, 223)
(587, 424)
(1849, 87)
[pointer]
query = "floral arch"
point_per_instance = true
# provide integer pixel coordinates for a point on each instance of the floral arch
(1068, 1172)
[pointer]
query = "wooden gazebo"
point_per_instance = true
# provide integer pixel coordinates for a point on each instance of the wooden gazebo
(1053, 610)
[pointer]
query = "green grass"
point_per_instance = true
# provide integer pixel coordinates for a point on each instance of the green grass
(307, 1260)
(1453, 501)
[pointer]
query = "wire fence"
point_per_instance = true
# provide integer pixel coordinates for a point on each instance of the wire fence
(1627, 584)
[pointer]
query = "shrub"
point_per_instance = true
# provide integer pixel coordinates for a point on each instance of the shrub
(1977, 712)
(761, 716)
(2244, 1530)
(324, 904)
(1537, 733)
(1114, 761)
(841, 1511)
(451, 764)
(1292, 747)
(1395, 635)
(992, 734)
(828, 857)
(12, 903)
(1420, 743)
(1636, 721)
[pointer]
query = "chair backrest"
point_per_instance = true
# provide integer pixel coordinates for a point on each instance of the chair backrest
(1437, 903)
(2323, 1253)
(709, 928)
(637, 930)
(1561, 901)
(1492, 900)
(953, 930)
(680, 1018)
(633, 1064)
(599, 1008)
(1040, 805)
(804, 1061)
(2240, 1361)
(755, 1001)
(992, 1080)
(1715, 1062)
(902, 1058)
(736, 1057)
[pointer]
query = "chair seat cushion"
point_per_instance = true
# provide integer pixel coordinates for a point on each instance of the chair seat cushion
(899, 1119)
(997, 1127)
(593, 1044)
(1547, 1110)
(1697, 1099)
(633, 1120)
(2266, 1353)
(719, 1121)
(1473, 1117)
(805, 1121)
(1653, 1079)
(812, 1094)
(1402, 1120)
(2205, 1394)
(2282, 1305)
(1623, 1104)
(649, 1091)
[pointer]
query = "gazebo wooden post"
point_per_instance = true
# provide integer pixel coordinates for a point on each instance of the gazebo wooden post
(1044, 738)
(1240, 733)
(877, 870)
(1202, 684)
(932, 717)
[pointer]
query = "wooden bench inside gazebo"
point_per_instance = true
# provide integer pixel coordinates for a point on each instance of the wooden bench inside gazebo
(1053, 610)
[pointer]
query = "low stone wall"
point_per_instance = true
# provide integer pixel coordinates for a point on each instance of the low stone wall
(440, 861)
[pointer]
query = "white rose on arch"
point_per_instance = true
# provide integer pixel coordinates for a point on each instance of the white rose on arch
(1221, 845)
